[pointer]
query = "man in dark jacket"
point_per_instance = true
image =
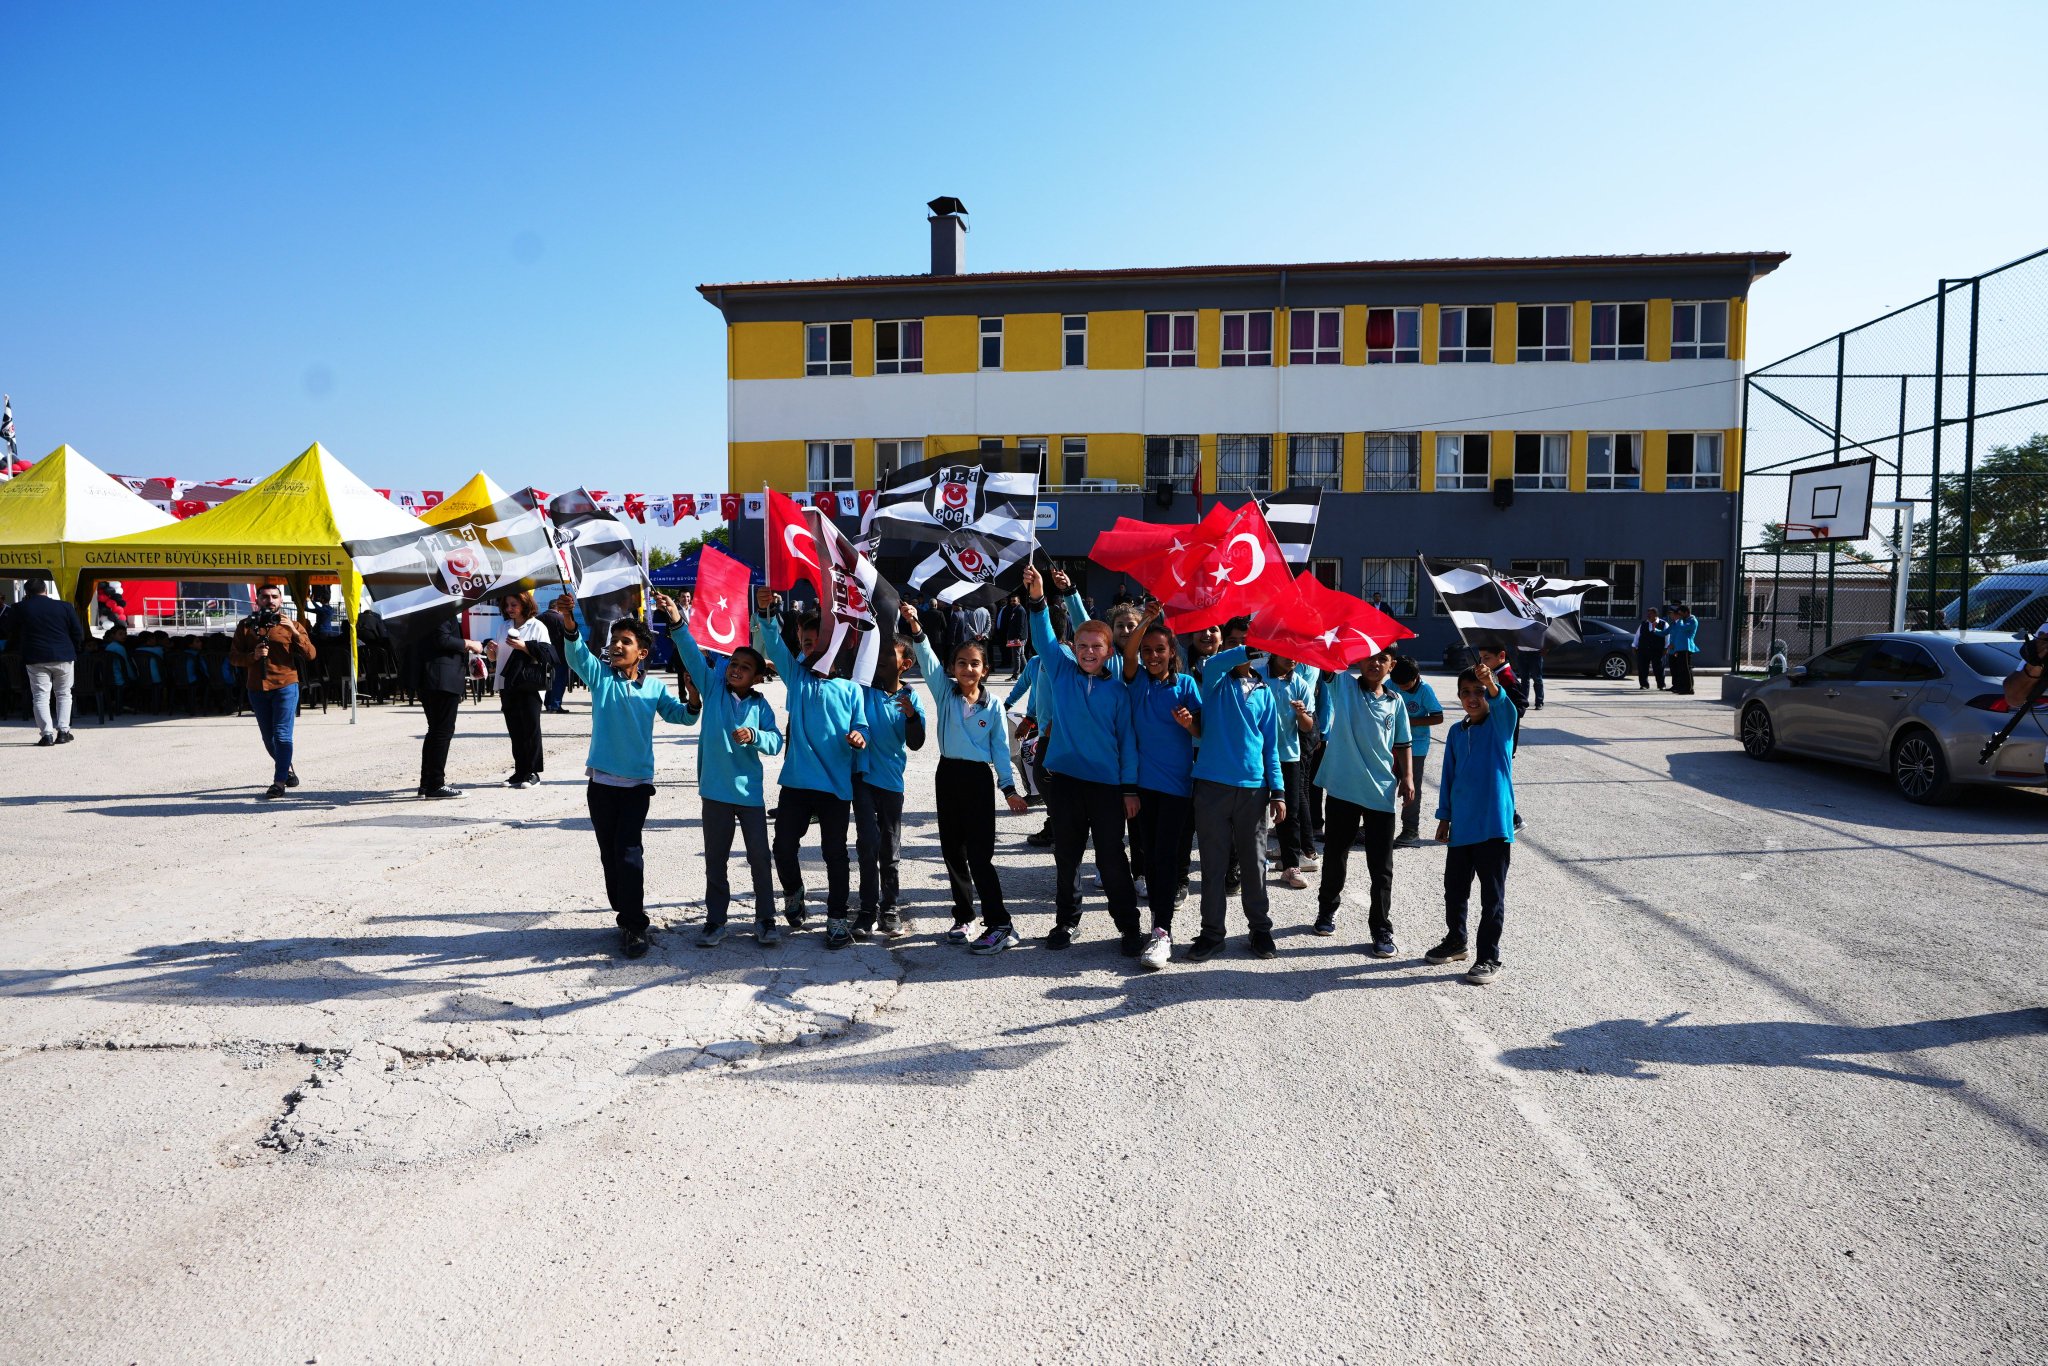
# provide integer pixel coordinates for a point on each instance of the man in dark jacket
(50, 635)
(1010, 634)
(558, 620)
(439, 662)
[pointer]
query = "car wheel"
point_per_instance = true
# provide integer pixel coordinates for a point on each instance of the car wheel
(1920, 769)
(1759, 736)
(1614, 667)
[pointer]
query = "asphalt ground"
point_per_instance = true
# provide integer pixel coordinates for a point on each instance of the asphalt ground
(350, 1077)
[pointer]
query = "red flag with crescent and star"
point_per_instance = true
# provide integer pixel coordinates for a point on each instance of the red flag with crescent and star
(1323, 626)
(1227, 565)
(792, 546)
(718, 614)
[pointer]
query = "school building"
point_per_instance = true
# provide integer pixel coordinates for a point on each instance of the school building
(1572, 416)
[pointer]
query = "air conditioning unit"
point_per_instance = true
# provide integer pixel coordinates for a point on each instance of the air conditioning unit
(1100, 485)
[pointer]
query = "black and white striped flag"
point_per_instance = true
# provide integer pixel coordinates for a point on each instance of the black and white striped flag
(977, 568)
(1558, 601)
(856, 613)
(604, 563)
(417, 578)
(1292, 515)
(7, 426)
(1487, 610)
(947, 494)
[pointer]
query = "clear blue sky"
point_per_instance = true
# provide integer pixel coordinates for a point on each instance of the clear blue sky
(444, 236)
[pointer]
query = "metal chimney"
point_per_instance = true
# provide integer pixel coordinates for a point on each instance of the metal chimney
(949, 235)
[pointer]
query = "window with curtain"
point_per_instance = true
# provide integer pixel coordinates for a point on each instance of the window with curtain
(1244, 464)
(1315, 336)
(1393, 336)
(1393, 462)
(1248, 338)
(1169, 340)
(1315, 462)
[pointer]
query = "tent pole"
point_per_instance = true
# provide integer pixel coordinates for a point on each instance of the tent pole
(351, 600)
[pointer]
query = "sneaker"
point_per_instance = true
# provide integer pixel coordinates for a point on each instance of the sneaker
(1041, 839)
(1311, 860)
(998, 938)
(711, 936)
(767, 933)
(890, 925)
(1131, 943)
(1180, 895)
(838, 933)
(1484, 973)
(863, 927)
(1291, 877)
(958, 934)
(1261, 943)
(1231, 884)
(793, 911)
(443, 793)
(1203, 948)
(1158, 951)
(1061, 937)
(633, 943)
(1382, 946)
(1450, 951)
(291, 775)
(1326, 925)
(1407, 839)
(519, 781)
(65, 737)
(46, 742)
(271, 793)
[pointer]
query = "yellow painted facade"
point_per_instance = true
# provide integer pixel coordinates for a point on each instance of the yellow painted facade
(1116, 340)
(1432, 320)
(1031, 341)
(1575, 464)
(1208, 338)
(1657, 343)
(765, 351)
(1351, 466)
(1503, 334)
(1738, 328)
(1656, 451)
(952, 344)
(1353, 338)
(1582, 331)
(1501, 455)
(1427, 456)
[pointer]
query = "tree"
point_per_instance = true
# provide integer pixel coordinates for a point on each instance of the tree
(1774, 542)
(2008, 507)
(720, 536)
(657, 558)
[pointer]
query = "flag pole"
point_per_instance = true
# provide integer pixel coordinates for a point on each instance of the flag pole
(1424, 562)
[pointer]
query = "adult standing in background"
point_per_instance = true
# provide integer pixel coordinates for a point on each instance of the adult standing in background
(1652, 638)
(557, 621)
(1010, 634)
(980, 621)
(50, 637)
(526, 664)
(1531, 670)
(437, 667)
(269, 647)
(1685, 632)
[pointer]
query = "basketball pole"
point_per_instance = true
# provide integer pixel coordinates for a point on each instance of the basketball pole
(1903, 551)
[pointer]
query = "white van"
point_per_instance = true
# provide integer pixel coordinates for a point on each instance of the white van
(2014, 600)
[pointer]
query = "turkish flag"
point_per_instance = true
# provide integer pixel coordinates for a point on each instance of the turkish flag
(718, 614)
(867, 500)
(634, 505)
(827, 503)
(729, 505)
(1230, 566)
(430, 497)
(792, 546)
(1322, 626)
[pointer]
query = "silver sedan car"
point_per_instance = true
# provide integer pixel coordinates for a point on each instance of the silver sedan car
(1918, 705)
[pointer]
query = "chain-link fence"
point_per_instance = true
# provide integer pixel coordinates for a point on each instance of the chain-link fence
(1949, 396)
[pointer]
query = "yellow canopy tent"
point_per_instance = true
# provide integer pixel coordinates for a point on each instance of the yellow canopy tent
(62, 500)
(290, 526)
(480, 492)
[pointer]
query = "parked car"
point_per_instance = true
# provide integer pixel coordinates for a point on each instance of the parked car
(1918, 705)
(1603, 650)
(2014, 599)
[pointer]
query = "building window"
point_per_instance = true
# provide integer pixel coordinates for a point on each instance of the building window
(828, 348)
(1315, 462)
(829, 464)
(1174, 459)
(1465, 335)
(1693, 460)
(1327, 573)
(1244, 464)
(991, 343)
(1248, 338)
(1699, 330)
(1315, 336)
(1393, 336)
(891, 456)
(993, 443)
(1034, 448)
(1478, 562)
(1614, 461)
(1540, 460)
(1623, 595)
(1391, 582)
(1696, 584)
(1074, 341)
(1073, 460)
(1463, 460)
(1540, 569)
(1543, 332)
(1618, 331)
(1169, 340)
(899, 347)
(1393, 462)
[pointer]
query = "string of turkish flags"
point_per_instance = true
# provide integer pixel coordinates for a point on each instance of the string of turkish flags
(184, 498)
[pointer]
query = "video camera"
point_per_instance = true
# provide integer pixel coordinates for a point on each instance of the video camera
(263, 618)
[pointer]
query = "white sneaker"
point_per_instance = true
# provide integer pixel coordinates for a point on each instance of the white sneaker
(1291, 877)
(1158, 951)
(1311, 861)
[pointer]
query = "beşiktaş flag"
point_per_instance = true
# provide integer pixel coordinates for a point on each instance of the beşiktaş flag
(604, 563)
(1558, 600)
(856, 614)
(1487, 610)
(1292, 515)
(948, 494)
(7, 426)
(976, 568)
(417, 578)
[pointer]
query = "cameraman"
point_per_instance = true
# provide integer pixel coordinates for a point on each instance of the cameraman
(2025, 681)
(270, 647)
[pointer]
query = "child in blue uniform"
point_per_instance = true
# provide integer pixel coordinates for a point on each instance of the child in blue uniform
(620, 765)
(1365, 773)
(1425, 713)
(1165, 709)
(1294, 689)
(895, 724)
(739, 727)
(974, 762)
(1475, 815)
(1237, 784)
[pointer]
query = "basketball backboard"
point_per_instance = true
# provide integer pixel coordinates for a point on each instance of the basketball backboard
(1830, 502)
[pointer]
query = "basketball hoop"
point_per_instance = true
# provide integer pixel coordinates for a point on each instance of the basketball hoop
(1804, 531)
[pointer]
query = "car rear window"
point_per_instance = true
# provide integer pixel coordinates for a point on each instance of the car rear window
(1992, 661)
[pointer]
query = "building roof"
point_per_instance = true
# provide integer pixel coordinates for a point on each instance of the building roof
(1757, 262)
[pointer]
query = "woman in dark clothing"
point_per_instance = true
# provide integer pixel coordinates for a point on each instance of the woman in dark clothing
(525, 667)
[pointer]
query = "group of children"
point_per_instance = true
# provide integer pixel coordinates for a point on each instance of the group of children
(1158, 758)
